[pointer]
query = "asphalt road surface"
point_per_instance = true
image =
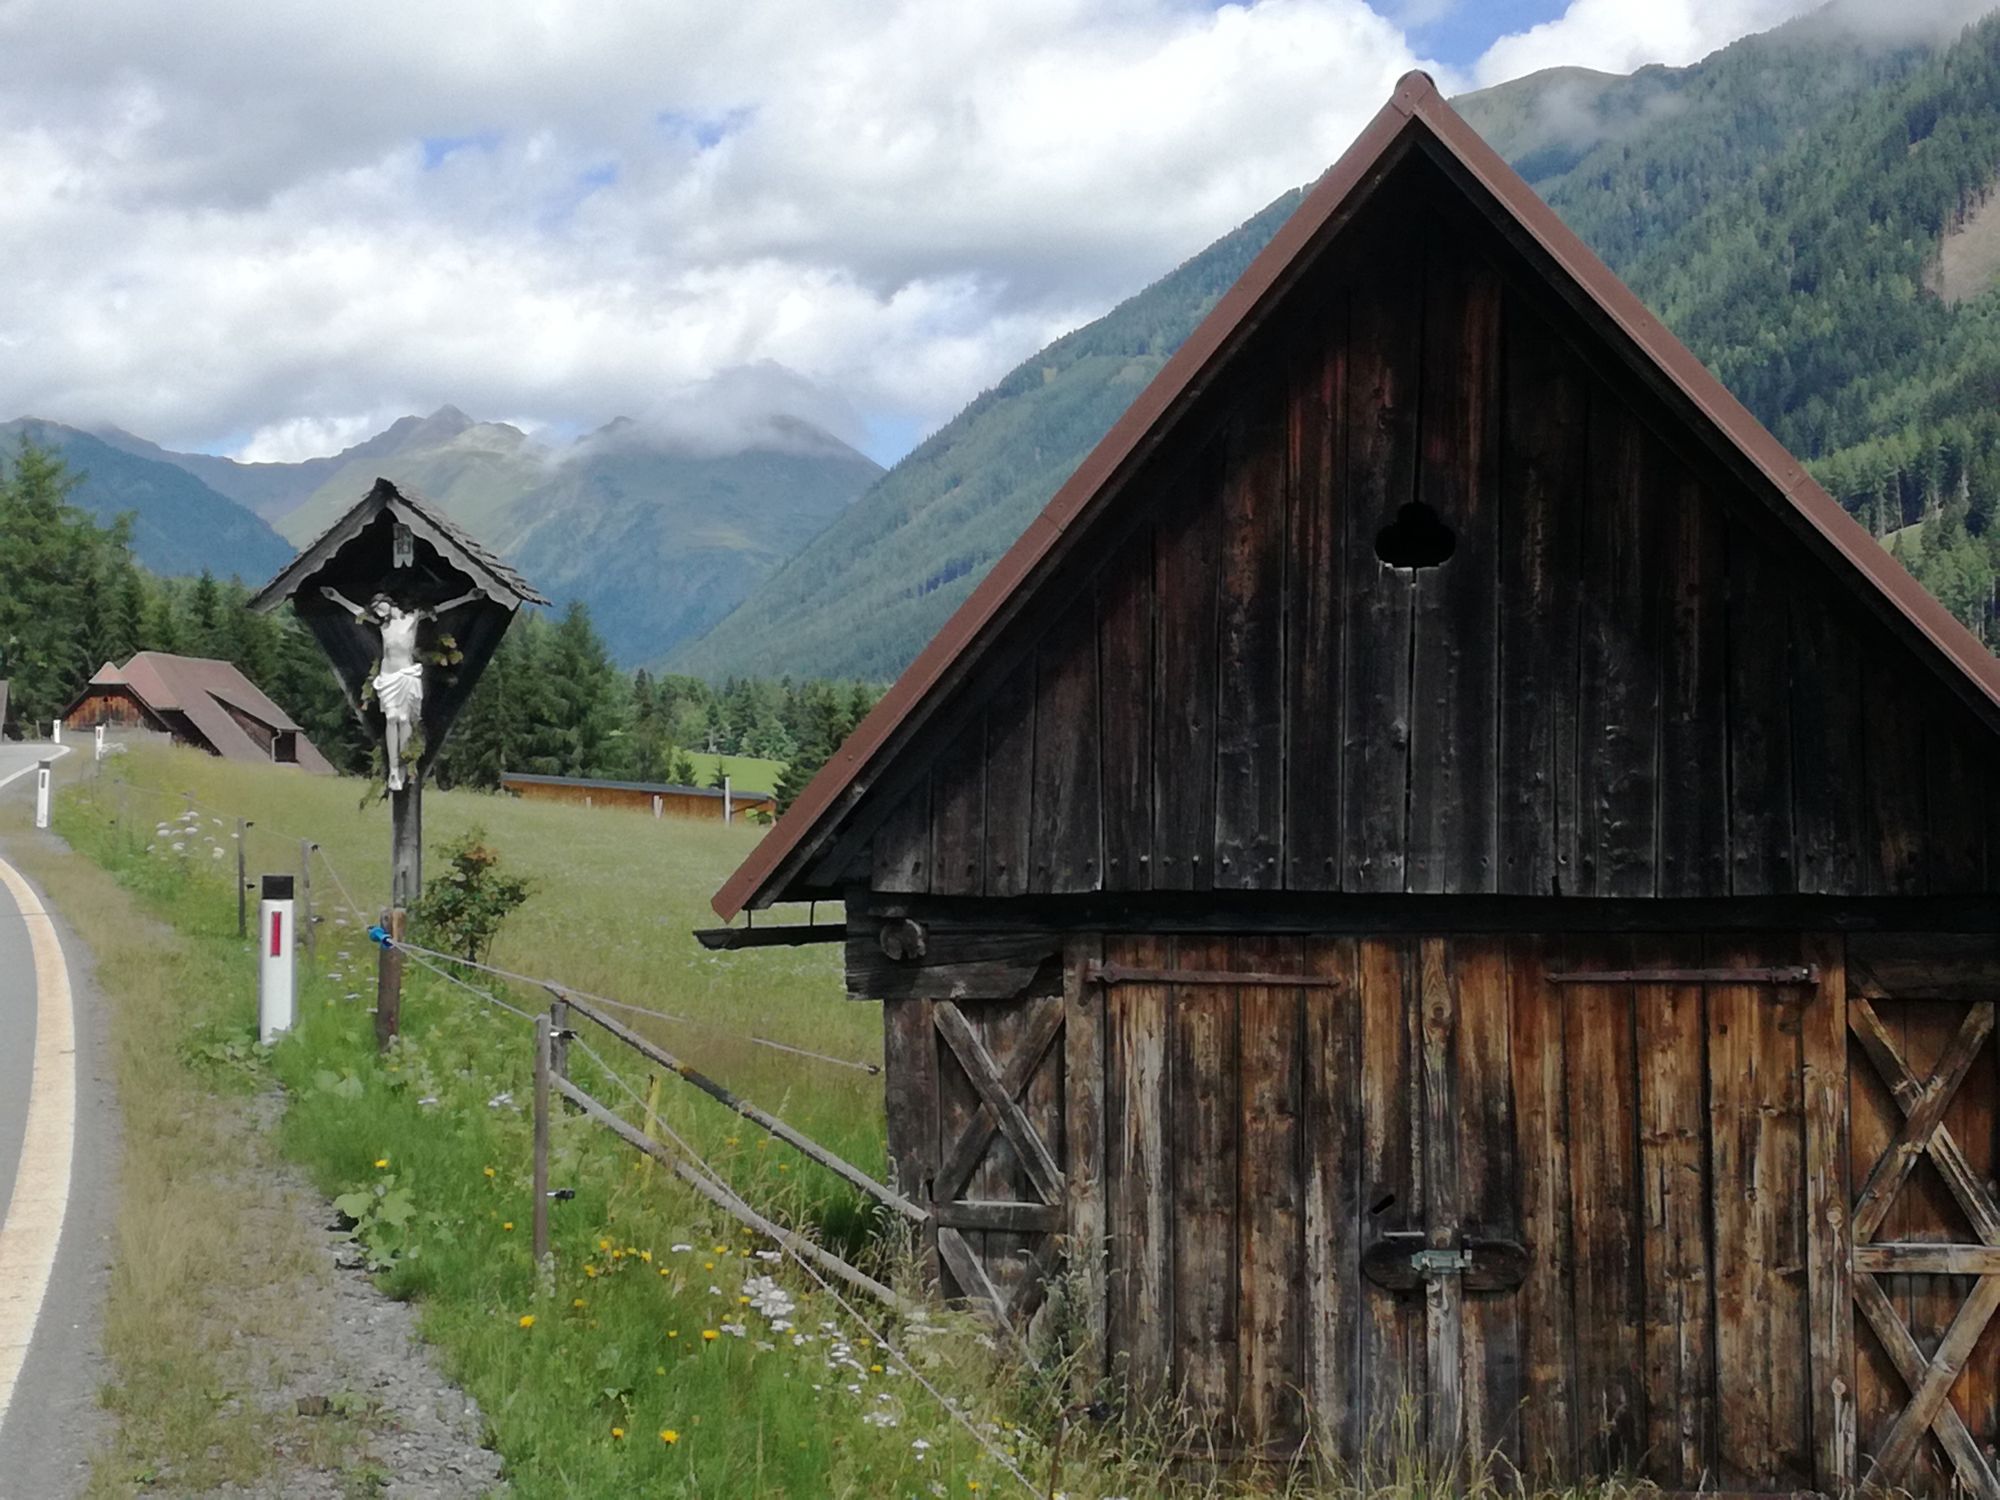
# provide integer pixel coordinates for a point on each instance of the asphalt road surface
(57, 1166)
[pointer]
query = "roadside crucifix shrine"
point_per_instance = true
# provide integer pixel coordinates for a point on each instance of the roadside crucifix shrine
(409, 609)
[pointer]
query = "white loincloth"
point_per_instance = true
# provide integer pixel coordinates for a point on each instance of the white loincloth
(400, 694)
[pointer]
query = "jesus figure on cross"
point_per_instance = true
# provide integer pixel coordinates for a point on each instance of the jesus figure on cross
(399, 675)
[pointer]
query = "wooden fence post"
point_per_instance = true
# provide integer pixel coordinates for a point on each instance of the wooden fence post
(389, 983)
(559, 1034)
(242, 882)
(543, 1263)
(308, 923)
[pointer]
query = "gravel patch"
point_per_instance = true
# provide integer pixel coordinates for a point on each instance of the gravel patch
(356, 1400)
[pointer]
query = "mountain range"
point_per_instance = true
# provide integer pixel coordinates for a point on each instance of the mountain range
(659, 537)
(1811, 209)
(1788, 205)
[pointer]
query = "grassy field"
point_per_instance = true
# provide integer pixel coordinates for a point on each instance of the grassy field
(672, 1354)
(749, 772)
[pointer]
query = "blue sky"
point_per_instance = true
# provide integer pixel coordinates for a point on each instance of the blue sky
(1466, 28)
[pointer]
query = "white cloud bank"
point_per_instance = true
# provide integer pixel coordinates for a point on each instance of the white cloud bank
(273, 227)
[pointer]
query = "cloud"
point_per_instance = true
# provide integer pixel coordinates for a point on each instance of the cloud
(297, 221)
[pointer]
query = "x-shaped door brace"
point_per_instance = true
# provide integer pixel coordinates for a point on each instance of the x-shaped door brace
(1924, 1132)
(999, 1089)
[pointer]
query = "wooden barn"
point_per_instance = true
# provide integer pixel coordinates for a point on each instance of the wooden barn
(1446, 879)
(661, 799)
(197, 701)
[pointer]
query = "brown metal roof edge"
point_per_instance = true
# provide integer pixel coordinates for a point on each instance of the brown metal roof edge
(1182, 371)
(1416, 99)
(1825, 515)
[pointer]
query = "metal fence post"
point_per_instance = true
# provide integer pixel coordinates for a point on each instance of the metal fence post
(308, 928)
(540, 1247)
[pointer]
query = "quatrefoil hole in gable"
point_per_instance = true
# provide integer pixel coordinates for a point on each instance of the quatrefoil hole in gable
(1415, 539)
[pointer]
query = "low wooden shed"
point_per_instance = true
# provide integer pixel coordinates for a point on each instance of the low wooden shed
(1447, 879)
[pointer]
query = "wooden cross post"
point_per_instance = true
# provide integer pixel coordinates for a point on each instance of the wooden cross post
(389, 983)
(406, 847)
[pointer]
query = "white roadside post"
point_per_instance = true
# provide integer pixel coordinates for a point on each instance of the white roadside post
(42, 770)
(276, 935)
(55, 731)
(725, 799)
(100, 742)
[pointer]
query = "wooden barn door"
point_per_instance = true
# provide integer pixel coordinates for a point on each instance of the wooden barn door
(1926, 1222)
(1577, 1205)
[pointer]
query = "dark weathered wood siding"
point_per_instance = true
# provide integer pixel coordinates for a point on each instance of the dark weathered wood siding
(1621, 683)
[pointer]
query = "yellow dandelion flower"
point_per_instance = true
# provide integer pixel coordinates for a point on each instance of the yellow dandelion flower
(708, 1265)
(579, 1302)
(618, 1434)
(972, 1484)
(659, 1369)
(489, 1171)
(617, 1254)
(669, 1436)
(784, 1166)
(874, 1369)
(729, 1140)
(508, 1226)
(745, 1301)
(646, 1256)
(709, 1335)
(762, 1144)
(664, 1271)
(527, 1320)
(604, 1244)
(673, 1333)
(381, 1162)
(591, 1272)
(721, 1249)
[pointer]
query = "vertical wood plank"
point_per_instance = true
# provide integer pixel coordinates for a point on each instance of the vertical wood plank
(1250, 672)
(1678, 1343)
(1139, 1197)
(1010, 778)
(1757, 1173)
(1760, 720)
(1829, 1269)
(1125, 715)
(1489, 1194)
(1064, 845)
(1444, 1296)
(1543, 1130)
(1190, 538)
(1955, 801)
(958, 814)
(1892, 722)
(1694, 693)
(1332, 1157)
(1619, 676)
(1545, 451)
(902, 845)
(1274, 1301)
(1392, 1374)
(1384, 321)
(1316, 562)
(1205, 1127)
(958, 1103)
(1829, 784)
(1083, 1134)
(910, 1097)
(1454, 637)
(1608, 1298)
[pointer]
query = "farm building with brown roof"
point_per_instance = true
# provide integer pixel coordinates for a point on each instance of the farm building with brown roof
(208, 704)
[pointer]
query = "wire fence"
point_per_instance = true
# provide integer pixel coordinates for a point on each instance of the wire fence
(650, 1122)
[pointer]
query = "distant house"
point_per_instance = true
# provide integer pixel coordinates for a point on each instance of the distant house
(658, 798)
(208, 704)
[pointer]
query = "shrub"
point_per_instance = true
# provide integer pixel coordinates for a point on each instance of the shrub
(462, 908)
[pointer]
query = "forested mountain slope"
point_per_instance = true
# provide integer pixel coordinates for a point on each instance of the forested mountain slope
(1779, 203)
(179, 525)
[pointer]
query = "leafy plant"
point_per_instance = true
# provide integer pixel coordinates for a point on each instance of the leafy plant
(462, 908)
(384, 1221)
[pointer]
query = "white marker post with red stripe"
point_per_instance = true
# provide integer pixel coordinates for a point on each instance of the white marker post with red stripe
(276, 935)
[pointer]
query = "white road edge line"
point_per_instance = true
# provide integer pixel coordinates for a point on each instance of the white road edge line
(56, 752)
(34, 1219)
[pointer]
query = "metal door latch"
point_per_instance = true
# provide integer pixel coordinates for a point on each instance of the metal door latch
(1429, 1263)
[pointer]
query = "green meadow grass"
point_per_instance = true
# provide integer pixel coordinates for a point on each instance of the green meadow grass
(640, 1370)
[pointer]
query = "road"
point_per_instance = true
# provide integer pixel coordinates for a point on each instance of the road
(57, 1160)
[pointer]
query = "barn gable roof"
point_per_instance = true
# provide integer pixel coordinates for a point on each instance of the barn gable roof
(204, 690)
(1416, 119)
